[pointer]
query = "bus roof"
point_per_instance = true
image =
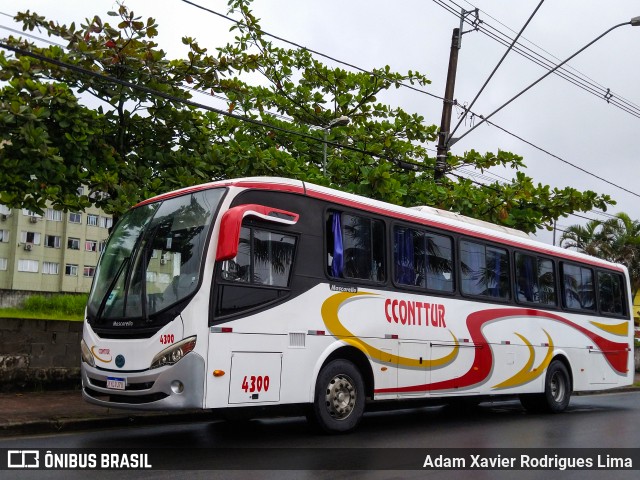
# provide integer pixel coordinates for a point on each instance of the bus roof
(425, 215)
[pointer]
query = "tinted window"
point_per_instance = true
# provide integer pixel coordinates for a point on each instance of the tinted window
(264, 258)
(579, 293)
(422, 259)
(610, 288)
(535, 280)
(259, 274)
(355, 247)
(484, 270)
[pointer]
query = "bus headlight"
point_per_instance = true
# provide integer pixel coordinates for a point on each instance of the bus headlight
(87, 356)
(174, 353)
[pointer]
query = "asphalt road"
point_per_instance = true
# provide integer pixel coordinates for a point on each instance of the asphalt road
(397, 441)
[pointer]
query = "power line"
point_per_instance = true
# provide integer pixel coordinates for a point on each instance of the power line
(363, 70)
(409, 86)
(567, 67)
(316, 52)
(191, 103)
(127, 67)
(173, 98)
(515, 40)
(579, 80)
(563, 160)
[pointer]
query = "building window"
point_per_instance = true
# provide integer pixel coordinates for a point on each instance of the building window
(73, 243)
(28, 266)
(4, 236)
(52, 241)
(3, 263)
(89, 271)
(50, 268)
(101, 246)
(75, 217)
(105, 222)
(70, 269)
(80, 191)
(29, 213)
(91, 246)
(92, 220)
(54, 215)
(30, 237)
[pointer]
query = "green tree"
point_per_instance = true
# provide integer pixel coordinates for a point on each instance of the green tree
(616, 240)
(143, 138)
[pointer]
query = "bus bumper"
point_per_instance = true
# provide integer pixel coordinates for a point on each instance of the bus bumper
(174, 387)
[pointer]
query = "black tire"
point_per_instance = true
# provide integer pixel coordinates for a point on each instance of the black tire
(339, 397)
(557, 391)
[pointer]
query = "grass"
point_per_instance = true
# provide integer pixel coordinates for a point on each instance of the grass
(55, 307)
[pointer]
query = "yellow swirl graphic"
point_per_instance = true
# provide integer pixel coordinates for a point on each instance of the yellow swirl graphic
(621, 329)
(527, 374)
(329, 312)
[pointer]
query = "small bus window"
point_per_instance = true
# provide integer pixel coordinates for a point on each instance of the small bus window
(355, 247)
(579, 292)
(484, 270)
(264, 258)
(422, 259)
(535, 280)
(611, 292)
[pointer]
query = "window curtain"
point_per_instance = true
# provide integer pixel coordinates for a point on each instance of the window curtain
(337, 264)
(404, 267)
(529, 279)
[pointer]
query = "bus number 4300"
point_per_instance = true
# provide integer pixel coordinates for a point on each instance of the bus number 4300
(255, 384)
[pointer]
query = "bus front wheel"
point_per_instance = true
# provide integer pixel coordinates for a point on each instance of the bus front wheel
(557, 391)
(339, 397)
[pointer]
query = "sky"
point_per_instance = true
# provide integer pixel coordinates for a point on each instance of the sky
(556, 115)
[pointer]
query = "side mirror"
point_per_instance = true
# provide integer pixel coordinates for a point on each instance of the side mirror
(232, 222)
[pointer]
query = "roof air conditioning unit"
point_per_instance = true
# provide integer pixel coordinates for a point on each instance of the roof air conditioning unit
(33, 219)
(28, 246)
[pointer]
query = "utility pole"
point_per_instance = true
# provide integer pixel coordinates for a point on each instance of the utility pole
(447, 107)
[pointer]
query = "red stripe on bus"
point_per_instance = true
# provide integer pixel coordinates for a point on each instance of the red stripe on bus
(615, 353)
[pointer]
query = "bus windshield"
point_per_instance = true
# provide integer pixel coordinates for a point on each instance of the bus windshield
(152, 260)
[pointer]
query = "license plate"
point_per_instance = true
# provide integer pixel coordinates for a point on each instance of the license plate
(116, 383)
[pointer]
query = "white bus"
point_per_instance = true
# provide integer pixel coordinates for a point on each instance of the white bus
(264, 292)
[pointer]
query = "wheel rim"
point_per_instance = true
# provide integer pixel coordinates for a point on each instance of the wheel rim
(558, 387)
(341, 397)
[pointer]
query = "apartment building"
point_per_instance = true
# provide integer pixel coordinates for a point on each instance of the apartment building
(54, 252)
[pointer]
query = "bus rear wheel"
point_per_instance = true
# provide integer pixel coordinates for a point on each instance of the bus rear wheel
(339, 397)
(557, 391)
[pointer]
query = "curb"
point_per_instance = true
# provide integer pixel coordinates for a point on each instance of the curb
(63, 425)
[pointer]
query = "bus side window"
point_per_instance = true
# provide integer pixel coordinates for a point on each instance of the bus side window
(535, 280)
(484, 269)
(611, 293)
(422, 259)
(355, 247)
(579, 292)
(259, 274)
(264, 258)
